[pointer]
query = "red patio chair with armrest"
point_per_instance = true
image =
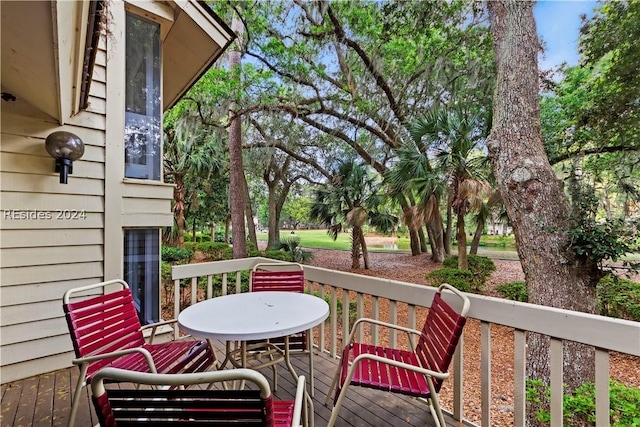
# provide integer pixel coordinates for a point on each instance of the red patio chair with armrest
(285, 277)
(170, 401)
(106, 332)
(417, 373)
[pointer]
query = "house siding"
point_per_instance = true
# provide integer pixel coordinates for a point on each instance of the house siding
(41, 257)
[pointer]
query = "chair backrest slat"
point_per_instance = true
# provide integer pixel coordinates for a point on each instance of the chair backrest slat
(287, 281)
(440, 335)
(104, 323)
(118, 407)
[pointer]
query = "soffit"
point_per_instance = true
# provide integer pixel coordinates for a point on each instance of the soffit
(194, 42)
(28, 63)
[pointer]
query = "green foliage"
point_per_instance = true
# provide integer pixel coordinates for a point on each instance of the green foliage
(618, 297)
(278, 254)
(515, 291)
(480, 267)
(579, 405)
(176, 255)
(165, 271)
(596, 239)
(291, 245)
(459, 279)
(215, 250)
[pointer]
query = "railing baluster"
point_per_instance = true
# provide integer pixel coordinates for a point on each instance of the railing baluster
(458, 380)
(359, 314)
(346, 329)
(375, 314)
(225, 291)
(393, 318)
(194, 290)
(334, 320)
(176, 306)
(322, 344)
(519, 378)
(238, 282)
(485, 372)
(602, 388)
(556, 381)
(209, 286)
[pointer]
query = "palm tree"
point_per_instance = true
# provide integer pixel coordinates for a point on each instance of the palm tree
(413, 176)
(352, 200)
(454, 139)
(190, 160)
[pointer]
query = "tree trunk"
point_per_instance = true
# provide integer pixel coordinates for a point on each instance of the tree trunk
(236, 171)
(355, 247)
(248, 213)
(195, 226)
(476, 238)
(533, 195)
(461, 240)
(436, 233)
(423, 240)
(273, 232)
(365, 251)
(178, 209)
(448, 231)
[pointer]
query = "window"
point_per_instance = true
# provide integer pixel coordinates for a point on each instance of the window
(142, 271)
(142, 99)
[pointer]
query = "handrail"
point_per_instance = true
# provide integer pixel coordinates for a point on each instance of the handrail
(603, 333)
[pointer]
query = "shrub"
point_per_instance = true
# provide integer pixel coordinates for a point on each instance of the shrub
(579, 406)
(215, 250)
(515, 291)
(291, 245)
(278, 254)
(176, 255)
(481, 268)
(618, 297)
(165, 271)
(459, 279)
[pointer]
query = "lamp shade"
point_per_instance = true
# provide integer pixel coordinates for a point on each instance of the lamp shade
(64, 145)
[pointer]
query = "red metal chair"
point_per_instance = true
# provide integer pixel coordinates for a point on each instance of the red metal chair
(170, 401)
(418, 372)
(106, 332)
(285, 277)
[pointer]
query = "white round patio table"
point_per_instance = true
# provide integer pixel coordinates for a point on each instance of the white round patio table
(253, 315)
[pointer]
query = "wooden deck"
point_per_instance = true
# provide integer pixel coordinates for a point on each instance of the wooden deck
(45, 400)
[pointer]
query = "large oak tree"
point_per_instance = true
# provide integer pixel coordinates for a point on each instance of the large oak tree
(534, 197)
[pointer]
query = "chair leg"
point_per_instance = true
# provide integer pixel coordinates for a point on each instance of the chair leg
(436, 411)
(336, 377)
(338, 404)
(76, 396)
(310, 350)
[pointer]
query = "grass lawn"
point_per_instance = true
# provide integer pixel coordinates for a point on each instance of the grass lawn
(321, 240)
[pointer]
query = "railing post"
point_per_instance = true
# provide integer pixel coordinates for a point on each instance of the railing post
(556, 382)
(602, 388)
(458, 380)
(485, 372)
(519, 378)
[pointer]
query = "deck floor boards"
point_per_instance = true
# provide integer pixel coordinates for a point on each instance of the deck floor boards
(45, 400)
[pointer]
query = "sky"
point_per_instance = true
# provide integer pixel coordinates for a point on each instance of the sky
(558, 23)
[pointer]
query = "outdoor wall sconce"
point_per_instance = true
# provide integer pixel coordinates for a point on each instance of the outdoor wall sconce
(66, 148)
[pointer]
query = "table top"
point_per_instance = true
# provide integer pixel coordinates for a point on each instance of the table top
(253, 315)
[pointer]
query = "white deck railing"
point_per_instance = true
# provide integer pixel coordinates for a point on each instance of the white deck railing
(404, 302)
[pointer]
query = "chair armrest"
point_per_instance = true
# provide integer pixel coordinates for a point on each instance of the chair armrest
(145, 353)
(364, 320)
(380, 359)
(296, 420)
(427, 372)
(154, 327)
